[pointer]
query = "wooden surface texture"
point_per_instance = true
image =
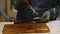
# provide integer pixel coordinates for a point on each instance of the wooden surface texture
(25, 28)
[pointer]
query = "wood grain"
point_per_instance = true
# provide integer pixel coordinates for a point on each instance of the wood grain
(25, 28)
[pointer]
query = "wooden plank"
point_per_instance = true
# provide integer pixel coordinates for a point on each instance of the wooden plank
(25, 28)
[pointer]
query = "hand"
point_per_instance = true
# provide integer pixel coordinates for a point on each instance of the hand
(58, 18)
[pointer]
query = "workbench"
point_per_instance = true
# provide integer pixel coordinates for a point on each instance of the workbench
(54, 27)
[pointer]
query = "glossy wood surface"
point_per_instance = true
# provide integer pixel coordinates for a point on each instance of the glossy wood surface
(25, 28)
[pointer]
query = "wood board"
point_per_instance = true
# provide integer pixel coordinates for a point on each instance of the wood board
(25, 28)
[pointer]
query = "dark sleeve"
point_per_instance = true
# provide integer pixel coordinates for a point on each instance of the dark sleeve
(46, 3)
(20, 5)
